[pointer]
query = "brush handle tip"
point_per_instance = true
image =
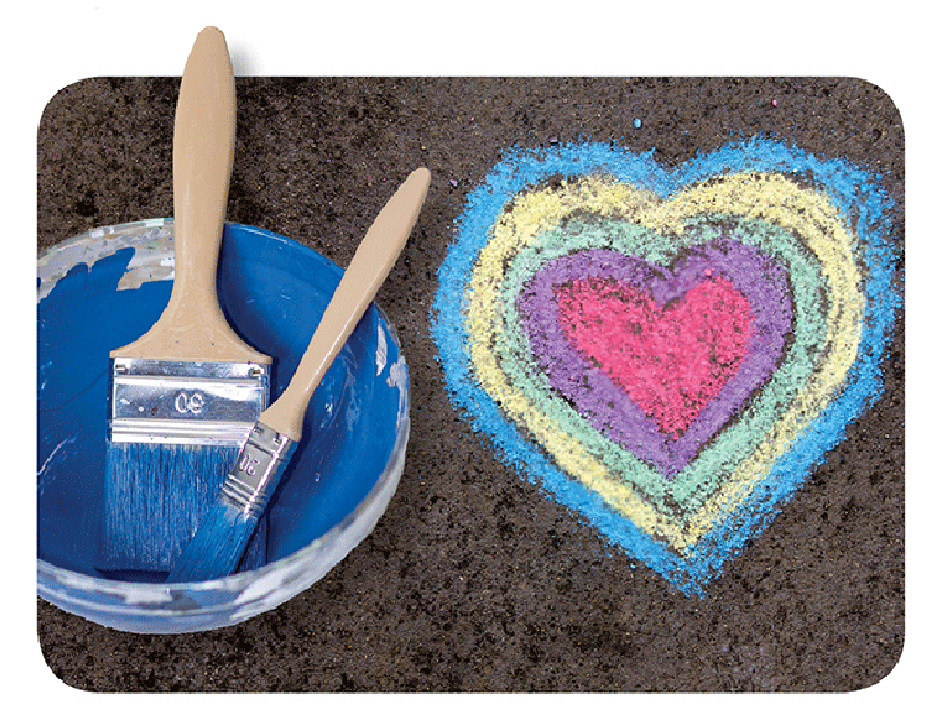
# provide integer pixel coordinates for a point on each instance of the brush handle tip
(369, 267)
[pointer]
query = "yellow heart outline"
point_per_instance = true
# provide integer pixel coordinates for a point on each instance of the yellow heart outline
(770, 197)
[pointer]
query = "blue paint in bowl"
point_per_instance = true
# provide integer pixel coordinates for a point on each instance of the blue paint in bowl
(104, 289)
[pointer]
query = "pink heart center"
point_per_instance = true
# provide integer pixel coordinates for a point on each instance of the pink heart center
(671, 361)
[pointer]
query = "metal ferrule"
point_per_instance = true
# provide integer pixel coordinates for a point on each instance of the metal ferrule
(258, 470)
(192, 403)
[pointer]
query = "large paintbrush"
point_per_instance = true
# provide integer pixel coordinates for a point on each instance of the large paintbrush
(185, 395)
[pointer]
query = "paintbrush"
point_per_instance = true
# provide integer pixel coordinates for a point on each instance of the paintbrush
(222, 535)
(184, 395)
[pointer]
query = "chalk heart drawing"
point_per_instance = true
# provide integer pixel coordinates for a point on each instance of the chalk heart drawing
(669, 353)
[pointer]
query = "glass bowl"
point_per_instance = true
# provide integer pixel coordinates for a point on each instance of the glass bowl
(102, 289)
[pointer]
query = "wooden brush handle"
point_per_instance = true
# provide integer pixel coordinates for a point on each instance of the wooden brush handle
(192, 326)
(368, 269)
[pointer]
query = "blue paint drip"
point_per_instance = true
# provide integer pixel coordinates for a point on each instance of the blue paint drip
(857, 192)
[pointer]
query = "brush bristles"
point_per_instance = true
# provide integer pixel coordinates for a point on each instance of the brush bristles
(155, 496)
(217, 547)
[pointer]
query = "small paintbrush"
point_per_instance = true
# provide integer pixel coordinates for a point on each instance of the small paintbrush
(184, 395)
(222, 535)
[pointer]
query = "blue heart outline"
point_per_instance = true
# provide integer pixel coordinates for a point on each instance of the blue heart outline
(857, 192)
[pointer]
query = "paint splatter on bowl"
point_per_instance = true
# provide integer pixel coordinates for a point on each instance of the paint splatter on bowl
(104, 288)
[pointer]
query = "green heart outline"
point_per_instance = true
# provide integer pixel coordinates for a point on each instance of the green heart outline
(704, 476)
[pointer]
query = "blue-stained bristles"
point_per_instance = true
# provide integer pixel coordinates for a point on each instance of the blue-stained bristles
(217, 546)
(155, 496)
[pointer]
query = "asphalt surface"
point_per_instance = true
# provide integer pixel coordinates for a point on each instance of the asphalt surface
(816, 603)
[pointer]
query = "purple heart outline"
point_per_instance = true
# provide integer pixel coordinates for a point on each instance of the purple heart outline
(761, 280)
